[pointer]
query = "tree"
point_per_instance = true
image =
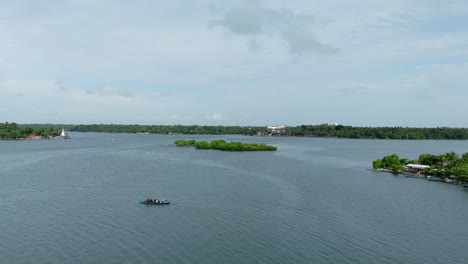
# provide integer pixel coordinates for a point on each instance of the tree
(202, 145)
(397, 167)
(389, 161)
(451, 156)
(377, 164)
(218, 144)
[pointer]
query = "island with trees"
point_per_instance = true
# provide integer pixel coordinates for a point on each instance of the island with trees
(14, 131)
(226, 146)
(448, 167)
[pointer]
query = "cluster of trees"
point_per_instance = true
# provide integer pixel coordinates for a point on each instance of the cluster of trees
(323, 130)
(227, 146)
(14, 131)
(341, 131)
(393, 162)
(444, 165)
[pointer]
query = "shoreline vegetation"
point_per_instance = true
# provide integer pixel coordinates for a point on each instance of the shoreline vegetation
(449, 167)
(225, 146)
(13, 131)
(323, 130)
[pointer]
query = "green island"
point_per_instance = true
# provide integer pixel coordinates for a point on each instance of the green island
(448, 167)
(323, 130)
(226, 146)
(14, 131)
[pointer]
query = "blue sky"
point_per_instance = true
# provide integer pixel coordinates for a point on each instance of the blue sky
(356, 62)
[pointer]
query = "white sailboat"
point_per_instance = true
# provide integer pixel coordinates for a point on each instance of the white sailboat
(63, 134)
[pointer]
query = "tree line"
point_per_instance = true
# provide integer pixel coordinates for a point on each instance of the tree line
(226, 146)
(444, 165)
(14, 131)
(323, 130)
(169, 129)
(342, 131)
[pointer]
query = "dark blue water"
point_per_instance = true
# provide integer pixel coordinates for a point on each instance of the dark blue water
(312, 201)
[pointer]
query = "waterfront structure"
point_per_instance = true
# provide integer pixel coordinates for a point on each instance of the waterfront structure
(416, 167)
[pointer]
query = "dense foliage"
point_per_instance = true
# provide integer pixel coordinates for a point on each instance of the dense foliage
(341, 131)
(323, 130)
(174, 129)
(13, 131)
(392, 162)
(227, 146)
(444, 165)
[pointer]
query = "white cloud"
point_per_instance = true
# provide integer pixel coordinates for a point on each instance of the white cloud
(215, 117)
(110, 91)
(251, 19)
(154, 62)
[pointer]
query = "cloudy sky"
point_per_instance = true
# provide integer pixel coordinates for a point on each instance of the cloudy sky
(355, 62)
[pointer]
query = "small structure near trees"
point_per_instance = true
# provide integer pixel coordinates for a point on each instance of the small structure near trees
(417, 168)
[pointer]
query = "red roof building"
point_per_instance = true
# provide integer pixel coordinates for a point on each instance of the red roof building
(33, 137)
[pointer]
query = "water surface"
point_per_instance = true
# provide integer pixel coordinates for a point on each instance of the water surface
(312, 201)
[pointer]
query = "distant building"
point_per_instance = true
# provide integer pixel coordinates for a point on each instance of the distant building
(276, 129)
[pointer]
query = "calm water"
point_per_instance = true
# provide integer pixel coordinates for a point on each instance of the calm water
(312, 201)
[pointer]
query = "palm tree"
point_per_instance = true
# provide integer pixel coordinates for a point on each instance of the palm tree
(452, 156)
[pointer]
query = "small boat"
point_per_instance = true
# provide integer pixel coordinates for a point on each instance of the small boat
(159, 202)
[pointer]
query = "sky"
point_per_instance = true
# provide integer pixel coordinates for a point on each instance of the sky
(353, 62)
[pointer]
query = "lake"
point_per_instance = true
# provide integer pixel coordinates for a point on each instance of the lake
(312, 201)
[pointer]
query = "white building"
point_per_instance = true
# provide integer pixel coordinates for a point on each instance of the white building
(416, 167)
(276, 129)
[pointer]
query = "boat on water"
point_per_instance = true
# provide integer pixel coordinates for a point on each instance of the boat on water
(157, 201)
(64, 135)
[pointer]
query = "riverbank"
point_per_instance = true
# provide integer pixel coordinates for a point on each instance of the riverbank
(38, 138)
(423, 176)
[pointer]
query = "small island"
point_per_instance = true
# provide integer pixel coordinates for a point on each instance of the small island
(449, 167)
(226, 146)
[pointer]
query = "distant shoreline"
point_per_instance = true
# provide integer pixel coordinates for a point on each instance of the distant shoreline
(313, 131)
